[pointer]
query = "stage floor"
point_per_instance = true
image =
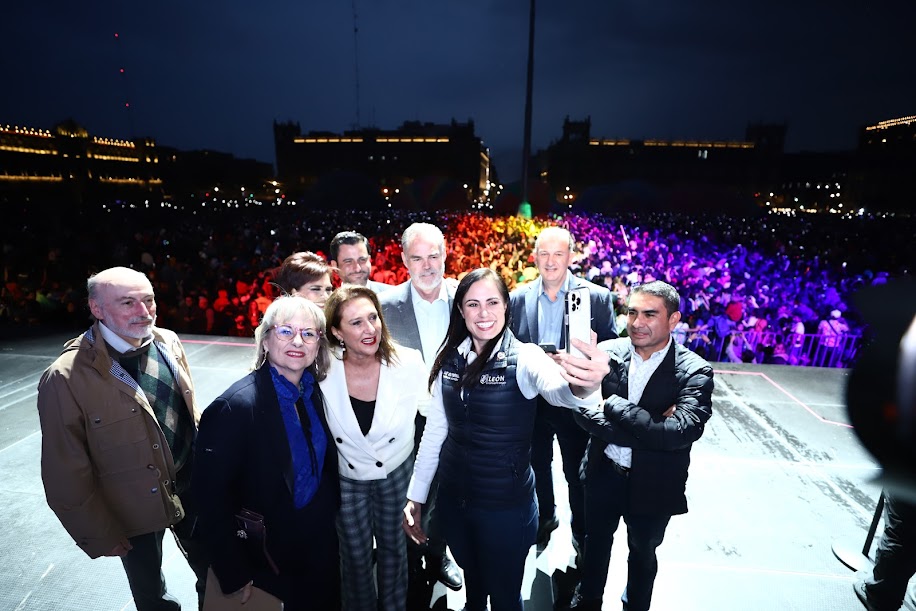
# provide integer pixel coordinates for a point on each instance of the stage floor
(777, 479)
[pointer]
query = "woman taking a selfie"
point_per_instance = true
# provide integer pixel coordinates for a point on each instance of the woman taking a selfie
(478, 435)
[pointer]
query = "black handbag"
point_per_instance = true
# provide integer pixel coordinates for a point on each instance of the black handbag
(251, 528)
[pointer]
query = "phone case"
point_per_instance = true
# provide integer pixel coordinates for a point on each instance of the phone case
(578, 318)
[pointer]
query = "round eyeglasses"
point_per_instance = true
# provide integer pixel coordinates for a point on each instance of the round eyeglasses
(286, 333)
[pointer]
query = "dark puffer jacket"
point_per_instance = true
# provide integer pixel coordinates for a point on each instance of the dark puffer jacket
(661, 446)
(486, 458)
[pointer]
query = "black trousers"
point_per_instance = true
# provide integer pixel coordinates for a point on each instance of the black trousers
(607, 496)
(573, 440)
(895, 557)
(143, 563)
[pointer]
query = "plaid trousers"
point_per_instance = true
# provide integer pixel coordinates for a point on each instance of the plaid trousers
(374, 509)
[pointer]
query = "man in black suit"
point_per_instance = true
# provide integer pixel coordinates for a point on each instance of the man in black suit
(536, 316)
(657, 399)
(417, 315)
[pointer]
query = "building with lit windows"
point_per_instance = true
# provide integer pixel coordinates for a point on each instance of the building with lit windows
(726, 170)
(390, 159)
(68, 164)
(886, 175)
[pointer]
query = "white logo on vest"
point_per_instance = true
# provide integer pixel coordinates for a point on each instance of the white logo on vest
(493, 379)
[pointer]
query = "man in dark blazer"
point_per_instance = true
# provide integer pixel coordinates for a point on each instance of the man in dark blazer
(417, 315)
(657, 399)
(536, 316)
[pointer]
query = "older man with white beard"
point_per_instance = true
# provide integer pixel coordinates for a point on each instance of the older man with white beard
(118, 421)
(417, 315)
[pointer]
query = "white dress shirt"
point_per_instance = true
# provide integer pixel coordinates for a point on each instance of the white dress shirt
(639, 373)
(432, 321)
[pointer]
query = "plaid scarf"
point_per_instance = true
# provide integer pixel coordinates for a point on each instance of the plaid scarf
(151, 372)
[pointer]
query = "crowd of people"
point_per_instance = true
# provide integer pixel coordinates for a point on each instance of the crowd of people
(317, 443)
(775, 281)
(366, 473)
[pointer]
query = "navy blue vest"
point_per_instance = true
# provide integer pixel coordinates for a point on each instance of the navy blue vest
(486, 458)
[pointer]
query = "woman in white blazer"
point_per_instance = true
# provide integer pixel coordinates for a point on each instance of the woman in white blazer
(373, 391)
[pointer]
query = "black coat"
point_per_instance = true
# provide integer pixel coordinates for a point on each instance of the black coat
(661, 446)
(243, 460)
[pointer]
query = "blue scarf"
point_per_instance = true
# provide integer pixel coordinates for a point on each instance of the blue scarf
(307, 439)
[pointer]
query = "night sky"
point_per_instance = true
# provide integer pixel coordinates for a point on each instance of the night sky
(216, 74)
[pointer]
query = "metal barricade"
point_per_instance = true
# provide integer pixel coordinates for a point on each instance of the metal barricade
(810, 349)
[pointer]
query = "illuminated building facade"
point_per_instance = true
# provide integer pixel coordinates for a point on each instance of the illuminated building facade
(886, 175)
(392, 159)
(735, 169)
(68, 164)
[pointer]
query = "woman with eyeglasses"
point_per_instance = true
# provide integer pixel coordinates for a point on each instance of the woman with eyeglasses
(478, 432)
(373, 391)
(305, 274)
(264, 446)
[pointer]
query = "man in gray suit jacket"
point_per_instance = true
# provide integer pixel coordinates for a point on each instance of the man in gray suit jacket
(537, 316)
(417, 315)
(350, 255)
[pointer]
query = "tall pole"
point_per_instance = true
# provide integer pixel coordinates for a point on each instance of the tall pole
(356, 62)
(525, 207)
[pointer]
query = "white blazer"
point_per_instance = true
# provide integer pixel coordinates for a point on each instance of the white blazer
(401, 391)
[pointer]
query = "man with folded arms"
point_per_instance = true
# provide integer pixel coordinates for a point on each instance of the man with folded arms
(657, 399)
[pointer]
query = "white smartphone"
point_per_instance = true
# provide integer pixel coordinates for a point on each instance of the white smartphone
(578, 319)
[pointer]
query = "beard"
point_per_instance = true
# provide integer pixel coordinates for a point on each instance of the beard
(133, 328)
(428, 282)
(360, 278)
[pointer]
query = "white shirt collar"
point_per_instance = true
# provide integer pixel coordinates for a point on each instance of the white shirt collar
(415, 297)
(466, 349)
(564, 288)
(655, 355)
